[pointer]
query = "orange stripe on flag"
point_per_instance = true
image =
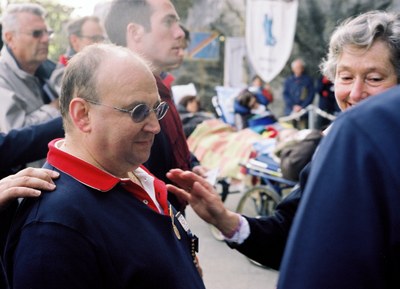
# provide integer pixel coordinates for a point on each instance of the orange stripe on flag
(203, 44)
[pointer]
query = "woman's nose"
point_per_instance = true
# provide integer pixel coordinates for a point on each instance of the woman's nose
(358, 91)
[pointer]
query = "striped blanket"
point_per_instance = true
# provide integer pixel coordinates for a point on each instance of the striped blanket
(219, 145)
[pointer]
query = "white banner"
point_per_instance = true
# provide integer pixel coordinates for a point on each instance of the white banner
(234, 62)
(270, 30)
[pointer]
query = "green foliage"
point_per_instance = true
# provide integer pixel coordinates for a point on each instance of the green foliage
(57, 16)
(182, 7)
(315, 23)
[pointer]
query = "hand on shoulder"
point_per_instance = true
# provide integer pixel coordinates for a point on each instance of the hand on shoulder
(26, 183)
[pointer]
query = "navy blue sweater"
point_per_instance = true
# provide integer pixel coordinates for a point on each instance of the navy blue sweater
(79, 237)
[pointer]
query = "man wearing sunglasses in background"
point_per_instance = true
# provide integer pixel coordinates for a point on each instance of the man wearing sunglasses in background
(107, 224)
(82, 32)
(25, 96)
(151, 28)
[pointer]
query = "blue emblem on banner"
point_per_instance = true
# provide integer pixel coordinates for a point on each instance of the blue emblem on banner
(270, 40)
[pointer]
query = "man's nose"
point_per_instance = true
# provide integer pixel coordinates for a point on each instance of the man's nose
(153, 124)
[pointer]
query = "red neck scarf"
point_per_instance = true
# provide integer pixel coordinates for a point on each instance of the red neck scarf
(171, 124)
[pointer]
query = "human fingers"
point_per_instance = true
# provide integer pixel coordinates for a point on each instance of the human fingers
(28, 182)
(10, 192)
(206, 203)
(186, 179)
(40, 173)
(176, 176)
(200, 170)
(180, 193)
(15, 192)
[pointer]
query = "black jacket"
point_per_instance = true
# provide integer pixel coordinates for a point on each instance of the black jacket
(268, 235)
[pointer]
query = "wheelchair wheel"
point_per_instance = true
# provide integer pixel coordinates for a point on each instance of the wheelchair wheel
(258, 201)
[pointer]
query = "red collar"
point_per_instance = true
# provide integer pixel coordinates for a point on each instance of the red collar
(98, 179)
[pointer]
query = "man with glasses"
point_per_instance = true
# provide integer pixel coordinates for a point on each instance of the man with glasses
(108, 223)
(82, 32)
(25, 96)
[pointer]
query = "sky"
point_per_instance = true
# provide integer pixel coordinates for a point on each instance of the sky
(82, 7)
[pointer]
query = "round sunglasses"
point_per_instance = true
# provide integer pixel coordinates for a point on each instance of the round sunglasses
(140, 111)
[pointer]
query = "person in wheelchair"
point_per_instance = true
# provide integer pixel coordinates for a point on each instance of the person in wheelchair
(362, 61)
(246, 107)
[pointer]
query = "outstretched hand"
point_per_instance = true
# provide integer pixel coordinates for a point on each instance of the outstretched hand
(203, 198)
(26, 183)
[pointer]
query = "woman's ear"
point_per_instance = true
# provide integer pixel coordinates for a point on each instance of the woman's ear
(79, 113)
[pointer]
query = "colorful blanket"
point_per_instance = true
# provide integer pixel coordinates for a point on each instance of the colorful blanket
(219, 145)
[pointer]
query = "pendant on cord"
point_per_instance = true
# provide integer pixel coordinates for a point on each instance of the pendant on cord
(174, 227)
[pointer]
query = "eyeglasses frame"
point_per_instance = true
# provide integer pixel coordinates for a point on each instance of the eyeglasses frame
(39, 33)
(94, 38)
(131, 112)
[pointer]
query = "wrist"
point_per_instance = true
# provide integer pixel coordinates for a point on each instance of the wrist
(233, 226)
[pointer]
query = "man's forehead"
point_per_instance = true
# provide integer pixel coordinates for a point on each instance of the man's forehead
(29, 19)
(24, 14)
(163, 7)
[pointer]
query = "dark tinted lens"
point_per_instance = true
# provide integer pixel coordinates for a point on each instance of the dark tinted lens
(94, 38)
(37, 33)
(98, 38)
(140, 112)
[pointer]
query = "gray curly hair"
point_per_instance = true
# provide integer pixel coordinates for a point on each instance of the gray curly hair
(363, 31)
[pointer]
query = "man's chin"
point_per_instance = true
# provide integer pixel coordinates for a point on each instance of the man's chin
(145, 157)
(42, 58)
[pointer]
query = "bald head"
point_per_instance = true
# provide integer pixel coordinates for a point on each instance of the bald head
(94, 70)
(298, 67)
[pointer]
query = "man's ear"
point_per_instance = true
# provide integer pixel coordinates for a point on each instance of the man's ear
(79, 113)
(8, 38)
(74, 42)
(134, 32)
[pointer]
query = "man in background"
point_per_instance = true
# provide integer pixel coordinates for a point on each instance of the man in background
(151, 28)
(82, 32)
(298, 92)
(26, 97)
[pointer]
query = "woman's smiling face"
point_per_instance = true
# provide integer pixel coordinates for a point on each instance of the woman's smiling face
(361, 73)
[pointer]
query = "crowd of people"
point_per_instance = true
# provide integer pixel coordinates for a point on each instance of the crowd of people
(107, 209)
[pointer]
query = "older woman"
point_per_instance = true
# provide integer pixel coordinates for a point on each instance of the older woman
(363, 60)
(346, 233)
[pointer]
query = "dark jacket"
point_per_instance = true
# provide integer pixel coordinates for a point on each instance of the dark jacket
(347, 230)
(298, 91)
(18, 147)
(21, 146)
(268, 235)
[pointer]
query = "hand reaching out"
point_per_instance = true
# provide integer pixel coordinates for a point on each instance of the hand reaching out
(204, 200)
